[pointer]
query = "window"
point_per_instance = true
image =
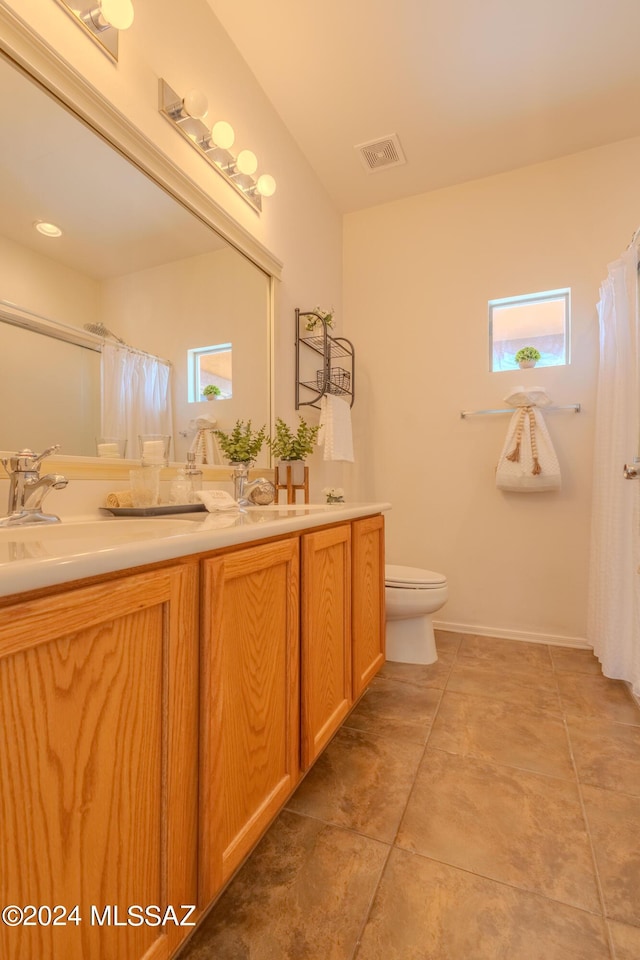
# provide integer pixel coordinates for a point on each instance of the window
(539, 320)
(210, 366)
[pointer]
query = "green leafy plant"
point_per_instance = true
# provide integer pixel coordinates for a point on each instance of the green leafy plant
(287, 445)
(242, 444)
(315, 321)
(212, 390)
(527, 353)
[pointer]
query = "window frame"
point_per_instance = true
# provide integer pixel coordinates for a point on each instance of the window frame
(563, 293)
(193, 367)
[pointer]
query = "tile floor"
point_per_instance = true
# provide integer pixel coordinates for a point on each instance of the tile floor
(483, 808)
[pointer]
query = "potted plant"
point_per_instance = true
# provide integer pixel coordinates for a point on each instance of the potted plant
(291, 449)
(242, 444)
(212, 391)
(317, 316)
(527, 357)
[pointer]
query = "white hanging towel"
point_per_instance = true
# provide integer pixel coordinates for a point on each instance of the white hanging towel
(335, 428)
(528, 462)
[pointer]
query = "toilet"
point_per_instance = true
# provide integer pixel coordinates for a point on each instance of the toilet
(412, 596)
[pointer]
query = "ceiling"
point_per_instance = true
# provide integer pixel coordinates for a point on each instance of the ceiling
(115, 220)
(471, 89)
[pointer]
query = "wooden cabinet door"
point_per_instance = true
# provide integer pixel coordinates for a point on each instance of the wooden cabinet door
(326, 637)
(250, 713)
(367, 601)
(98, 764)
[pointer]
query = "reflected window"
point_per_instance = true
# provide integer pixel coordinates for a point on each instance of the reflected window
(210, 373)
(539, 320)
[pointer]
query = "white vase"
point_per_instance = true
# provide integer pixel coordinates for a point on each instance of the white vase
(524, 364)
(297, 472)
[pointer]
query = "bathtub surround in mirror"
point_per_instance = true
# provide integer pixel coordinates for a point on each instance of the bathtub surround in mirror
(131, 257)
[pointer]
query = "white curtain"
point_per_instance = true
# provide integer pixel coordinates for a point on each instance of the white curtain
(613, 616)
(136, 396)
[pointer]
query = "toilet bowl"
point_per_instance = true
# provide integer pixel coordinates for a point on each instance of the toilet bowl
(412, 596)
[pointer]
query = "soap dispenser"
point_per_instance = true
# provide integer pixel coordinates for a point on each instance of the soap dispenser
(193, 475)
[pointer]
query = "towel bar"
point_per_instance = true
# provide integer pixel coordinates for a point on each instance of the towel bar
(576, 407)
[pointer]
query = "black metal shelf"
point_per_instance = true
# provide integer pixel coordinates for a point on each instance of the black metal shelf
(330, 379)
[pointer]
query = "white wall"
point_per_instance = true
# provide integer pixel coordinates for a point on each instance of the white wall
(418, 276)
(41, 285)
(186, 45)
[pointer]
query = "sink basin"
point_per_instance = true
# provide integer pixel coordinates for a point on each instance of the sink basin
(119, 530)
(73, 537)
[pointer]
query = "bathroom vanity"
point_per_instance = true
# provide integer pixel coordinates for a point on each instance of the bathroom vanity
(160, 700)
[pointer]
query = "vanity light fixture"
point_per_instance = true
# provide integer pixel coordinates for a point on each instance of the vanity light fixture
(102, 21)
(47, 229)
(188, 115)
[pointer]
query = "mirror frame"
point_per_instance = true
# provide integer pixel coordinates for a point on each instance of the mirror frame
(30, 54)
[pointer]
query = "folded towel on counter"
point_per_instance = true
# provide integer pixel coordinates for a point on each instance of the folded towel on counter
(121, 498)
(335, 428)
(217, 500)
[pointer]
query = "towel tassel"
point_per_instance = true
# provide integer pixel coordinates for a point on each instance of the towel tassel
(514, 456)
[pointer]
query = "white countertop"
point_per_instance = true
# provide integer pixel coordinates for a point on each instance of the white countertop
(41, 556)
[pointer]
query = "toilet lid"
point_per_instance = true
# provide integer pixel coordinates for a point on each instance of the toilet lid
(397, 576)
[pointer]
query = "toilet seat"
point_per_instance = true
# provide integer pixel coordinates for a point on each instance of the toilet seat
(412, 578)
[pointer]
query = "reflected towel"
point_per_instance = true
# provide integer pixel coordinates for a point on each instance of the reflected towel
(204, 442)
(335, 428)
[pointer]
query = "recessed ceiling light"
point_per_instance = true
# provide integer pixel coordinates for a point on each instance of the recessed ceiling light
(47, 229)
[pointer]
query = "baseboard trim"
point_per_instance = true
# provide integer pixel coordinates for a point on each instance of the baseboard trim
(483, 631)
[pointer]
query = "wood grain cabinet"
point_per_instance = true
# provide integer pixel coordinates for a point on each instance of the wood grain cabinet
(152, 726)
(367, 601)
(250, 712)
(98, 764)
(325, 637)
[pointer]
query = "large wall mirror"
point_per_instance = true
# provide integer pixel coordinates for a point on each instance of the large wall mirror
(131, 257)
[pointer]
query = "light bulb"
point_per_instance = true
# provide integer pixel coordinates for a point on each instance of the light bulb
(117, 13)
(222, 134)
(247, 162)
(47, 229)
(196, 104)
(266, 185)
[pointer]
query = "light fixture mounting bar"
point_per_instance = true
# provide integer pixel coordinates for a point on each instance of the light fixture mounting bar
(105, 37)
(199, 136)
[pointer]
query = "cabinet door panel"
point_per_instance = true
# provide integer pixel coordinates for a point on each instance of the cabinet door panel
(326, 637)
(250, 701)
(368, 610)
(98, 743)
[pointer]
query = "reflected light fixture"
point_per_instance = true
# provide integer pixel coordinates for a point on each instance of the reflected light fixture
(47, 229)
(187, 116)
(102, 21)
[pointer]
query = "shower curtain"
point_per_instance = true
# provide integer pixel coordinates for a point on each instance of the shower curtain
(136, 395)
(613, 613)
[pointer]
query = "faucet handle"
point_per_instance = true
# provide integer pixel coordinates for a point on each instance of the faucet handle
(26, 460)
(46, 453)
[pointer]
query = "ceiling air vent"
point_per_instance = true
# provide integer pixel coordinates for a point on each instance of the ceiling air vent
(381, 154)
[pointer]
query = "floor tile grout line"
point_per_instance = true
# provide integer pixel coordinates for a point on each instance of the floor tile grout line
(528, 891)
(367, 912)
(599, 886)
(392, 846)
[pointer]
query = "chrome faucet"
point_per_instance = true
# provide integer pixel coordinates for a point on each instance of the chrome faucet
(28, 489)
(250, 493)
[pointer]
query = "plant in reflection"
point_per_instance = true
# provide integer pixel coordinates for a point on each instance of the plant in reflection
(212, 391)
(242, 444)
